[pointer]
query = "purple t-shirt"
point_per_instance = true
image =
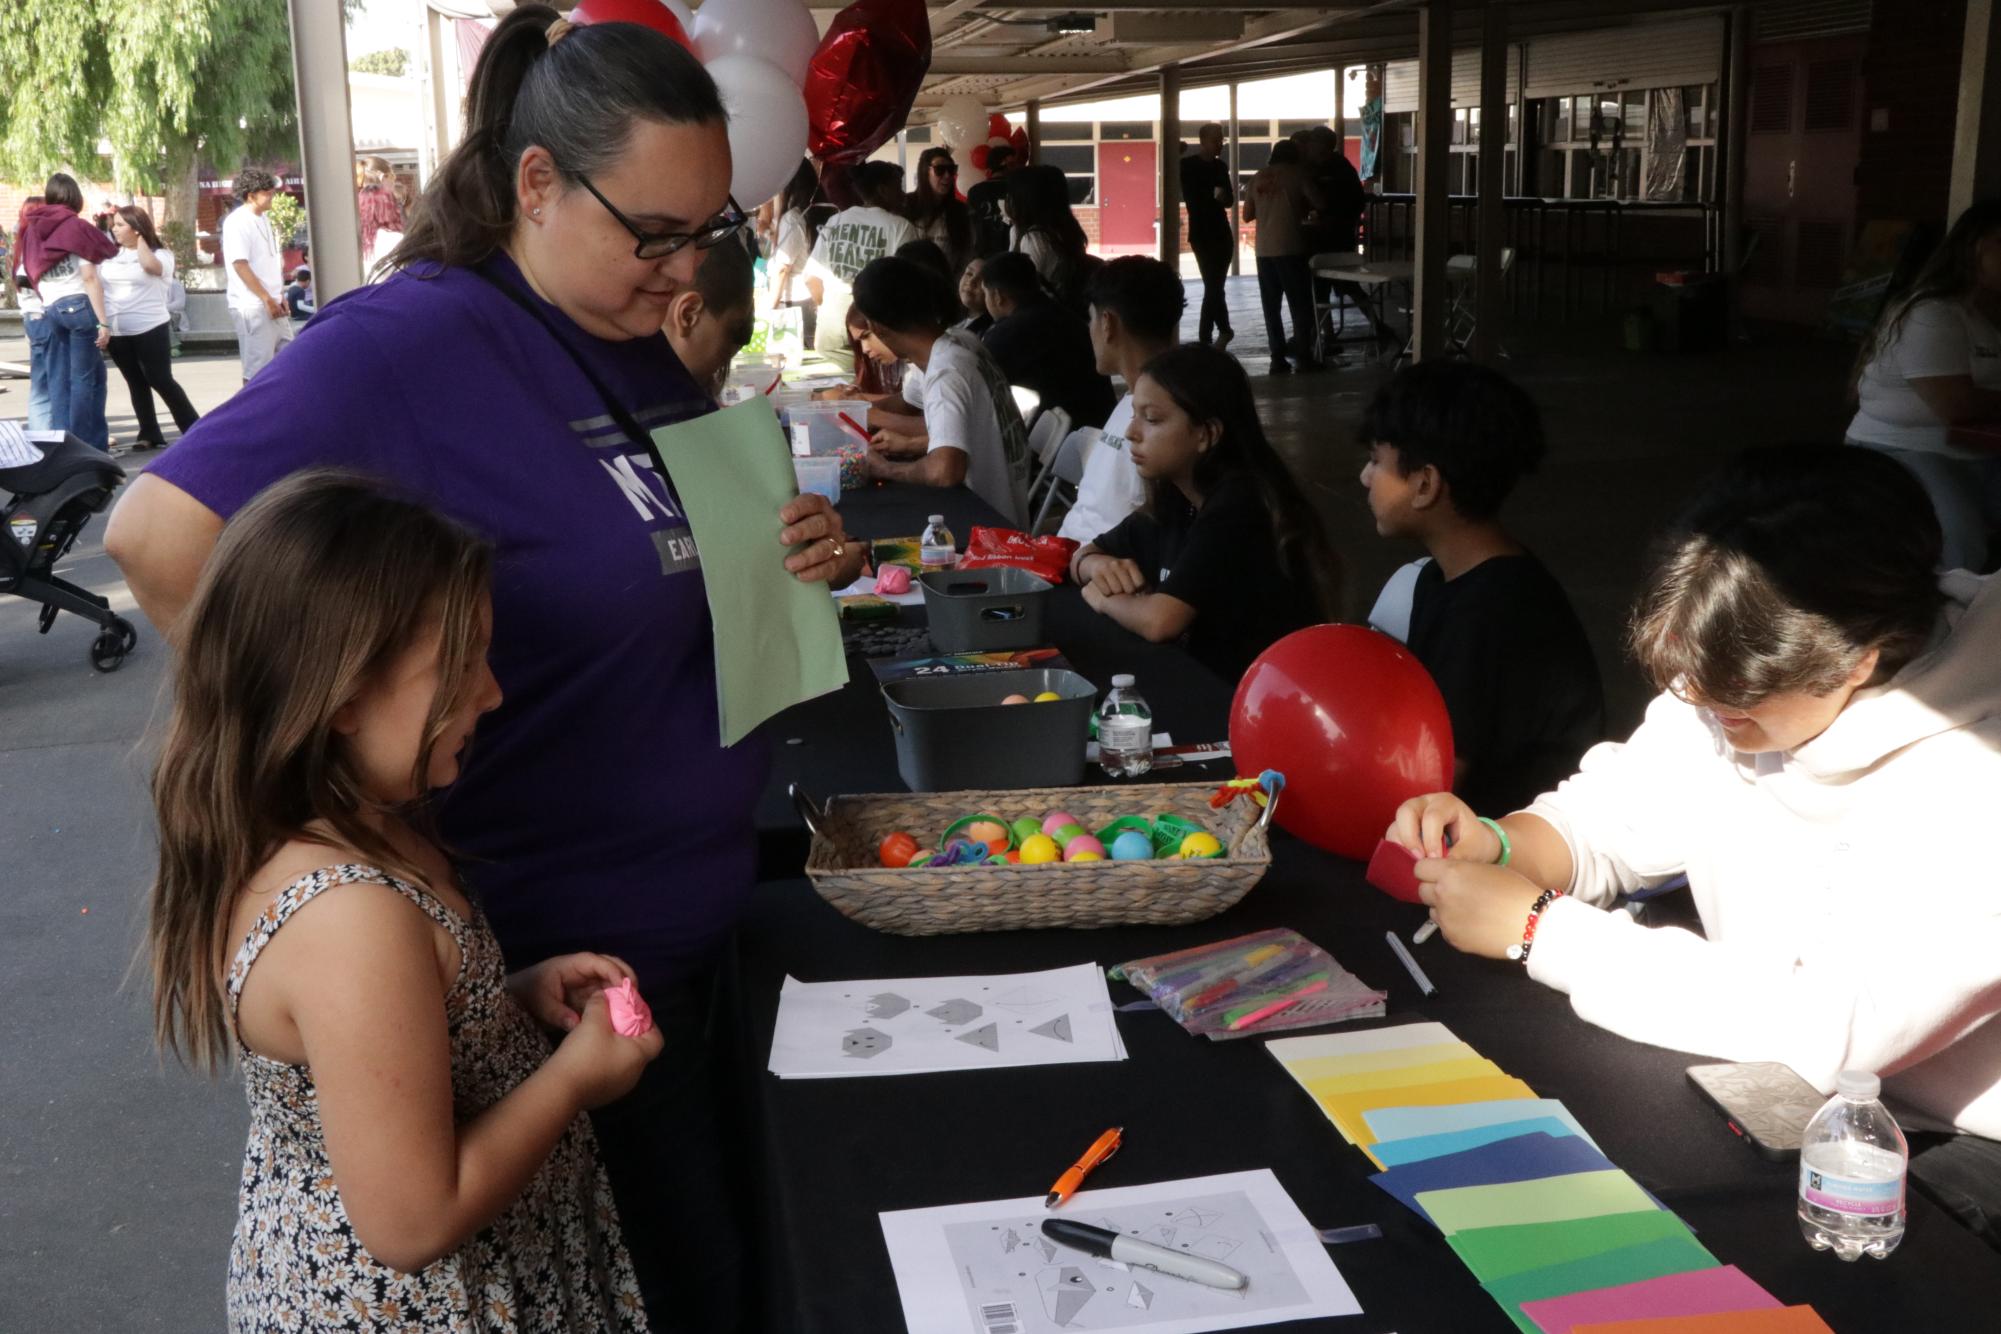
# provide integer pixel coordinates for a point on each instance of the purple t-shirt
(597, 809)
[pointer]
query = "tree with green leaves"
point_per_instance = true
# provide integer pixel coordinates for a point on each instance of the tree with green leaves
(395, 62)
(168, 83)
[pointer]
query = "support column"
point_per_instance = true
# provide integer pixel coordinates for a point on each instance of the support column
(1032, 119)
(1170, 166)
(1736, 118)
(326, 145)
(1434, 203)
(1976, 156)
(1492, 160)
(1236, 187)
(1525, 143)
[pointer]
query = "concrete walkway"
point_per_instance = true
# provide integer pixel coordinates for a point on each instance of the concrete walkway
(118, 1171)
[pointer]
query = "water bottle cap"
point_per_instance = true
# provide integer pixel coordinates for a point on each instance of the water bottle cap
(935, 518)
(1857, 1084)
(1122, 682)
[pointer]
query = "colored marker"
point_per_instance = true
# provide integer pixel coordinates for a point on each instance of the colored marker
(1242, 1022)
(1101, 1148)
(1425, 932)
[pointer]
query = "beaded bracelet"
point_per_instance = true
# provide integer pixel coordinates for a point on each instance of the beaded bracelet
(1520, 953)
(1507, 848)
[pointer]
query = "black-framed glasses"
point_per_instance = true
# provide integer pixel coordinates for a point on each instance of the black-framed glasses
(659, 245)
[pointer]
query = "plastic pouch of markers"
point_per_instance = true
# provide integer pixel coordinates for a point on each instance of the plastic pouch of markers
(1262, 983)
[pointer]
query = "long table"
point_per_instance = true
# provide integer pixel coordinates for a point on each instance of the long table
(832, 1154)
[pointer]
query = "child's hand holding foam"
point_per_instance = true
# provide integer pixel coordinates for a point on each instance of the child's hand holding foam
(554, 991)
(600, 1063)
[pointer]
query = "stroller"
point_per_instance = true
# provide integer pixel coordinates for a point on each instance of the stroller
(51, 503)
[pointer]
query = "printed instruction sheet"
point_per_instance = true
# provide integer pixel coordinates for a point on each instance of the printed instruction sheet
(988, 1269)
(901, 1026)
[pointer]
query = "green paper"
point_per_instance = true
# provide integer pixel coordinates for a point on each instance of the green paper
(778, 641)
(1608, 1269)
(1544, 1200)
(1495, 1253)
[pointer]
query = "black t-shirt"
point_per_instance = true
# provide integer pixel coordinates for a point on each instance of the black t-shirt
(1517, 674)
(990, 229)
(1048, 349)
(1200, 179)
(1339, 198)
(1221, 560)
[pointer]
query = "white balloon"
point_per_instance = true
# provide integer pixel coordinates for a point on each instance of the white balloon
(682, 15)
(779, 31)
(767, 126)
(962, 122)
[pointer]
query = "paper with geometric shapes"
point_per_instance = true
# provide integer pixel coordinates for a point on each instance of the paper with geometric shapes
(900, 1026)
(988, 1269)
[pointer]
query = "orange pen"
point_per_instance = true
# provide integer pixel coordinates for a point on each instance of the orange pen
(1066, 1185)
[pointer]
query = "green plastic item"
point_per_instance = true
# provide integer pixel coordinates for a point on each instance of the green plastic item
(1168, 831)
(1024, 828)
(958, 828)
(1125, 823)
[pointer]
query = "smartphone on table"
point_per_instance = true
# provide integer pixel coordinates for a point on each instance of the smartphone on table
(1763, 1101)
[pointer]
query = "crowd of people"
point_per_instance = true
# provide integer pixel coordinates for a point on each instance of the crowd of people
(404, 938)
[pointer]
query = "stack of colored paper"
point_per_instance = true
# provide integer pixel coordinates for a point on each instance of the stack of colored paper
(1555, 1233)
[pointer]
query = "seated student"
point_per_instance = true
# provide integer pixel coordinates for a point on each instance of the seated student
(710, 320)
(973, 434)
(1136, 306)
(1447, 442)
(1041, 345)
(1821, 759)
(299, 303)
(1228, 554)
(973, 296)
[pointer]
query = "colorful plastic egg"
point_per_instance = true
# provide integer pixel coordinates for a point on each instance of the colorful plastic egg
(998, 859)
(1013, 858)
(1082, 843)
(1039, 850)
(1088, 856)
(990, 832)
(1132, 846)
(1025, 828)
(1056, 820)
(897, 849)
(1046, 696)
(1015, 699)
(1200, 844)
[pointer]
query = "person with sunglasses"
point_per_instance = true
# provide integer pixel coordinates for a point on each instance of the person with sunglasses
(507, 374)
(939, 210)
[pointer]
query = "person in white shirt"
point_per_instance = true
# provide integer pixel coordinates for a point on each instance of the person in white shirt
(848, 242)
(256, 273)
(1820, 764)
(794, 244)
(973, 432)
(1136, 306)
(137, 283)
(1933, 363)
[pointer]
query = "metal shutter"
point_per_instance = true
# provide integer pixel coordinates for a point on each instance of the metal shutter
(1642, 55)
(1400, 80)
(1790, 20)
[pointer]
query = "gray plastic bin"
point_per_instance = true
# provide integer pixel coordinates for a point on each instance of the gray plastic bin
(953, 734)
(980, 611)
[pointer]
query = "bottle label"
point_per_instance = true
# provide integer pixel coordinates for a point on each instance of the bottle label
(1845, 1195)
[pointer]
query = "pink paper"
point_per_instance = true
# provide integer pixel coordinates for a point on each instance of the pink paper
(1698, 1292)
(629, 1013)
(892, 581)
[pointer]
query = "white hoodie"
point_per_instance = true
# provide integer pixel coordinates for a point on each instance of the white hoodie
(1848, 889)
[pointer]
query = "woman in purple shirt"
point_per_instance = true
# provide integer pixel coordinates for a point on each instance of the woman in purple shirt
(519, 358)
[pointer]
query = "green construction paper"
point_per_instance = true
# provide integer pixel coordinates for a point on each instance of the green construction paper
(1607, 1269)
(1544, 1200)
(778, 641)
(1495, 1253)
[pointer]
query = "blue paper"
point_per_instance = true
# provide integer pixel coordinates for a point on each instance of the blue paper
(1417, 1148)
(1404, 1122)
(1523, 1158)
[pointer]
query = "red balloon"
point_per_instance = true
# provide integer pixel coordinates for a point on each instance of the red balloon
(979, 157)
(864, 78)
(1020, 141)
(1356, 725)
(646, 13)
(997, 126)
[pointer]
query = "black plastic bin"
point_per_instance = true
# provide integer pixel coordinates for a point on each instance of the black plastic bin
(982, 611)
(953, 733)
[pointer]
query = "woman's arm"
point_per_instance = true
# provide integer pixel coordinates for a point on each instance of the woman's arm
(1154, 617)
(160, 537)
(149, 261)
(93, 287)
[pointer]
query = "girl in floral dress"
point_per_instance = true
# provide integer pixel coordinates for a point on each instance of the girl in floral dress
(418, 1158)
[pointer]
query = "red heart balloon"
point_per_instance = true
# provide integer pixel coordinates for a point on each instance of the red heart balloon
(646, 13)
(997, 126)
(864, 78)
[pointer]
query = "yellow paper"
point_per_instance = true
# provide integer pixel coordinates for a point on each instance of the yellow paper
(1326, 1067)
(1438, 1072)
(1345, 1109)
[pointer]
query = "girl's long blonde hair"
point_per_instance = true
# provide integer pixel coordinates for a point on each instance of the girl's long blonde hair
(315, 588)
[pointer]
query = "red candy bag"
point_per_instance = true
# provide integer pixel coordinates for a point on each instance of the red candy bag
(1046, 558)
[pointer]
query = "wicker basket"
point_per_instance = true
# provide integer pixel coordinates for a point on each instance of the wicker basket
(923, 901)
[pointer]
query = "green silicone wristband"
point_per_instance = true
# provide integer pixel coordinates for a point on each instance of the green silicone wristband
(1507, 848)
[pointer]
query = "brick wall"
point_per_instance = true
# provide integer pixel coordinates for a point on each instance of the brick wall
(1910, 73)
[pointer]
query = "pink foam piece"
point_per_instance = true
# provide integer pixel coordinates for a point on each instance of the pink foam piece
(630, 1015)
(1393, 870)
(1698, 1292)
(892, 580)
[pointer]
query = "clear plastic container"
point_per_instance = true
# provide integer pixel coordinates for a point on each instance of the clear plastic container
(1852, 1161)
(819, 477)
(1125, 731)
(937, 546)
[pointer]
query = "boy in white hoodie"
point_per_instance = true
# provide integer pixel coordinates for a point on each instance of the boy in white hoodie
(1822, 764)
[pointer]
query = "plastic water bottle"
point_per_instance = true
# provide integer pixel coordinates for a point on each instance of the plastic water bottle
(1125, 731)
(1852, 1164)
(937, 546)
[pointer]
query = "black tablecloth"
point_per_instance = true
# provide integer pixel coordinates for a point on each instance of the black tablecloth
(834, 1153)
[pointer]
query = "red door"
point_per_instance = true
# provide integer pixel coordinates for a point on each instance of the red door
(1803, 141)
(1128, 197)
